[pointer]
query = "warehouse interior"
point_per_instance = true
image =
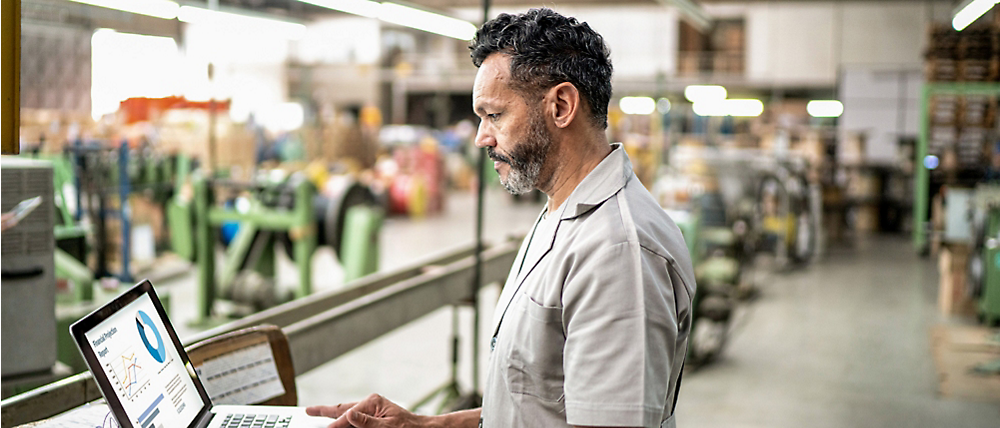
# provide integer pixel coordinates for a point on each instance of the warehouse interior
(304, 172)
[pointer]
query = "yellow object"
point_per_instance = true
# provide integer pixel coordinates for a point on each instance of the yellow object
(371, 116)
(417, 197)
(781, 226)
(317, 174)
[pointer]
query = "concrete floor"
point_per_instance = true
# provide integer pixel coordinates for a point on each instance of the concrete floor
(841, 343)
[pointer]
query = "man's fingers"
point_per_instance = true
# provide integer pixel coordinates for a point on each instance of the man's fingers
(360, 419)
(329, 411)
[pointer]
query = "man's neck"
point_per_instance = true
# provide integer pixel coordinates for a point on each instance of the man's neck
(576, 160)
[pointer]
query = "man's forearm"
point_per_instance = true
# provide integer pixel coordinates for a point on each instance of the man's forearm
(461, 419)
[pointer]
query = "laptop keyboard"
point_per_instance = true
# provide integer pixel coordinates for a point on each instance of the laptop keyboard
(256, 421)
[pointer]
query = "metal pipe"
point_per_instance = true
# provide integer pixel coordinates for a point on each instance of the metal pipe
(324, 337)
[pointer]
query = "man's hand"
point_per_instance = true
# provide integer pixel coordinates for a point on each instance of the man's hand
(372, 412)
(8, 221)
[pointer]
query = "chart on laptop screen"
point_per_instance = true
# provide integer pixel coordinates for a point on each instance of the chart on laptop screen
(130, 374)
(144, 368)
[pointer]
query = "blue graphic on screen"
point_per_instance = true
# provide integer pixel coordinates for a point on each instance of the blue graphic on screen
(145, 324)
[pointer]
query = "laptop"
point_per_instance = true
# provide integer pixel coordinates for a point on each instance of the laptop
(147, 379)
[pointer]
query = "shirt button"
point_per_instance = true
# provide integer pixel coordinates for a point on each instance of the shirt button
(493, 343)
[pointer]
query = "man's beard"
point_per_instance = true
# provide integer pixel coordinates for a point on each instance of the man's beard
(526, 158)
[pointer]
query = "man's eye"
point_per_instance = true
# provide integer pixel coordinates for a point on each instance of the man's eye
(493, 116)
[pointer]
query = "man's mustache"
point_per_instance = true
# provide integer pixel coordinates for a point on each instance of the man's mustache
(492, 153)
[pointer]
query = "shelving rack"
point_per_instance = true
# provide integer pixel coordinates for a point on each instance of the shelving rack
(921, 182)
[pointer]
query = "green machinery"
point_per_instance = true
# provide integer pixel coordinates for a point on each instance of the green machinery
(85, 176)
(717, 254)
(985, 278)
(264, 214)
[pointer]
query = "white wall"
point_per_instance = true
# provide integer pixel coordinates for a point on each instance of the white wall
(892, 33)
(791, 43)
(882, 104)
(249, 68)
(341, 40)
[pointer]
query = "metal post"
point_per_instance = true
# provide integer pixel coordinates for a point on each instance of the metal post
(478, 272)
(204, 251)
(124, 213)
(75, 163)
(304, 236)
(921, 175)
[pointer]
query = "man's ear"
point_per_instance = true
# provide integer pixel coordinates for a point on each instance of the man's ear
(564, 104)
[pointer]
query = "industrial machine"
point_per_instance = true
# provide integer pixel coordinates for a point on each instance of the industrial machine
(253, 219)
(984, 271)
(786, 216)
(28, 273)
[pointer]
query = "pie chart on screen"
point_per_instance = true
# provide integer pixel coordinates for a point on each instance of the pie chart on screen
(147, 329)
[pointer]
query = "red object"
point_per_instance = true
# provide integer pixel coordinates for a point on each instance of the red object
(142, 109)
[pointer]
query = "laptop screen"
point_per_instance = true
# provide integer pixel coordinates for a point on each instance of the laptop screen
(143, 366)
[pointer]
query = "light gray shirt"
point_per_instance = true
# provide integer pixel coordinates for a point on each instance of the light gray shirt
(592, 324)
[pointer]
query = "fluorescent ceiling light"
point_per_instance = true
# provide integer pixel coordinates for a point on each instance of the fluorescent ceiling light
(156, 8)
(744, 108)
(366, 8)
(637, 105)
(426, 21)
(825, 108)
(698, 93)
(970, 11)
(709, 108)
(734, 107)
(197, 15)
(403, 15)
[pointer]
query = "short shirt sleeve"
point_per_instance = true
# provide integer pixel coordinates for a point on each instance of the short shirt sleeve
(621, 324)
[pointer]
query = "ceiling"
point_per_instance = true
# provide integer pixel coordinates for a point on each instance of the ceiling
(302, 10)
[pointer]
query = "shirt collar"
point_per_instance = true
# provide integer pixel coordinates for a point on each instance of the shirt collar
(600, 184)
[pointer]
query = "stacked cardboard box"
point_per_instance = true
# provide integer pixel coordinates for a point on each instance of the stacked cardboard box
(962, 126)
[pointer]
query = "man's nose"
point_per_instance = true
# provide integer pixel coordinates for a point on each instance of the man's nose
(483, 137)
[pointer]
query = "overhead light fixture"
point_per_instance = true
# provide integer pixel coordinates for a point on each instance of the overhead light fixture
(709, 108)
(197, 15)
(700, 93)
(970, 11)
(426, 21)
(406, 16)
(744, 107)
(366, 8)
(733, 107)
(164, 9)
(825, 108)
(637, 105)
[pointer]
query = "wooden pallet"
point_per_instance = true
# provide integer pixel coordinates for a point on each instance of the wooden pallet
(956, 350)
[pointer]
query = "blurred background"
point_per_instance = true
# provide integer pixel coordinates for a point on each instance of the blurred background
(309, 164)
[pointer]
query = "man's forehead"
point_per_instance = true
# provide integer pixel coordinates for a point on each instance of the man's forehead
(494, 71)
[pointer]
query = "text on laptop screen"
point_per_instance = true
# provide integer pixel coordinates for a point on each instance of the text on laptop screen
(145, 369)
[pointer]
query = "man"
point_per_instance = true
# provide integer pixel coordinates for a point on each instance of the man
(592, 324)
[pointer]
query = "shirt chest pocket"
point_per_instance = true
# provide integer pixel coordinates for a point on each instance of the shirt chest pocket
(535, 354)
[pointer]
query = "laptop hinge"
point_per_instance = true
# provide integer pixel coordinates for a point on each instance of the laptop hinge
(204, 419)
